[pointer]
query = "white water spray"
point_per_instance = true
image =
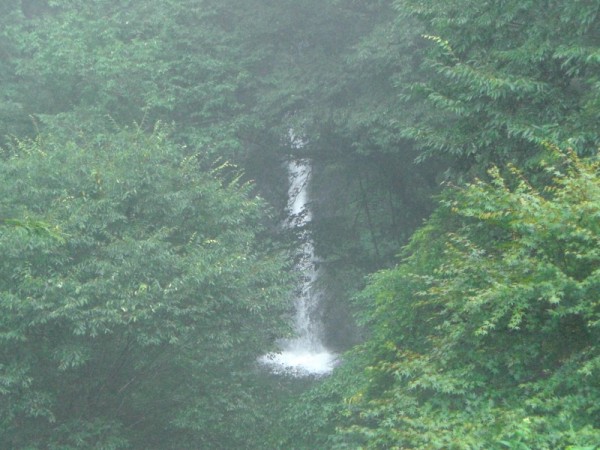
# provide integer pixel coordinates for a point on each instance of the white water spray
(305, 355)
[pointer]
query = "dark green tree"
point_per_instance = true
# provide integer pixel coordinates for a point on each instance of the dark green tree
(502, 77)
(137, 326)
(486, 336)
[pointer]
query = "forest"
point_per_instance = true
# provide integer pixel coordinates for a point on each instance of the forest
(455, 215)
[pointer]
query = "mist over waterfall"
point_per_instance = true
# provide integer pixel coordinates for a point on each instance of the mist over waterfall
(304, 355)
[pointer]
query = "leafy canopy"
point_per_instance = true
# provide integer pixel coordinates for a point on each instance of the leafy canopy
(125, 330)
(486, 335)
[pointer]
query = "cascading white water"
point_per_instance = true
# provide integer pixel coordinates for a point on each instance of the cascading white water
(305, 355)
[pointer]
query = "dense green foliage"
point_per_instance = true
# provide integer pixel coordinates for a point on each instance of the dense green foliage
(504, 76)
(163, 60)
(135, 325)
(138, 279)
(486, 335)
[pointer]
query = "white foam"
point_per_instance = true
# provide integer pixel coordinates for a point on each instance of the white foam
(300, 362)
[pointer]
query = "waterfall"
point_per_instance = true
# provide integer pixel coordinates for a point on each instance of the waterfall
(304, 355)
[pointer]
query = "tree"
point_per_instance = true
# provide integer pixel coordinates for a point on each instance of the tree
(162, 60)
(503, 77)
(140, 326)
(486, 336)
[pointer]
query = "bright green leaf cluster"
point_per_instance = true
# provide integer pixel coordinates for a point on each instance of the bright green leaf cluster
(487, 335)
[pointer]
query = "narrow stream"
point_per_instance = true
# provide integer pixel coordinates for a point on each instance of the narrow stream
(304, 355)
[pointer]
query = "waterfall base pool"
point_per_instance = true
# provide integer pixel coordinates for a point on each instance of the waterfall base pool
(300, 362)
